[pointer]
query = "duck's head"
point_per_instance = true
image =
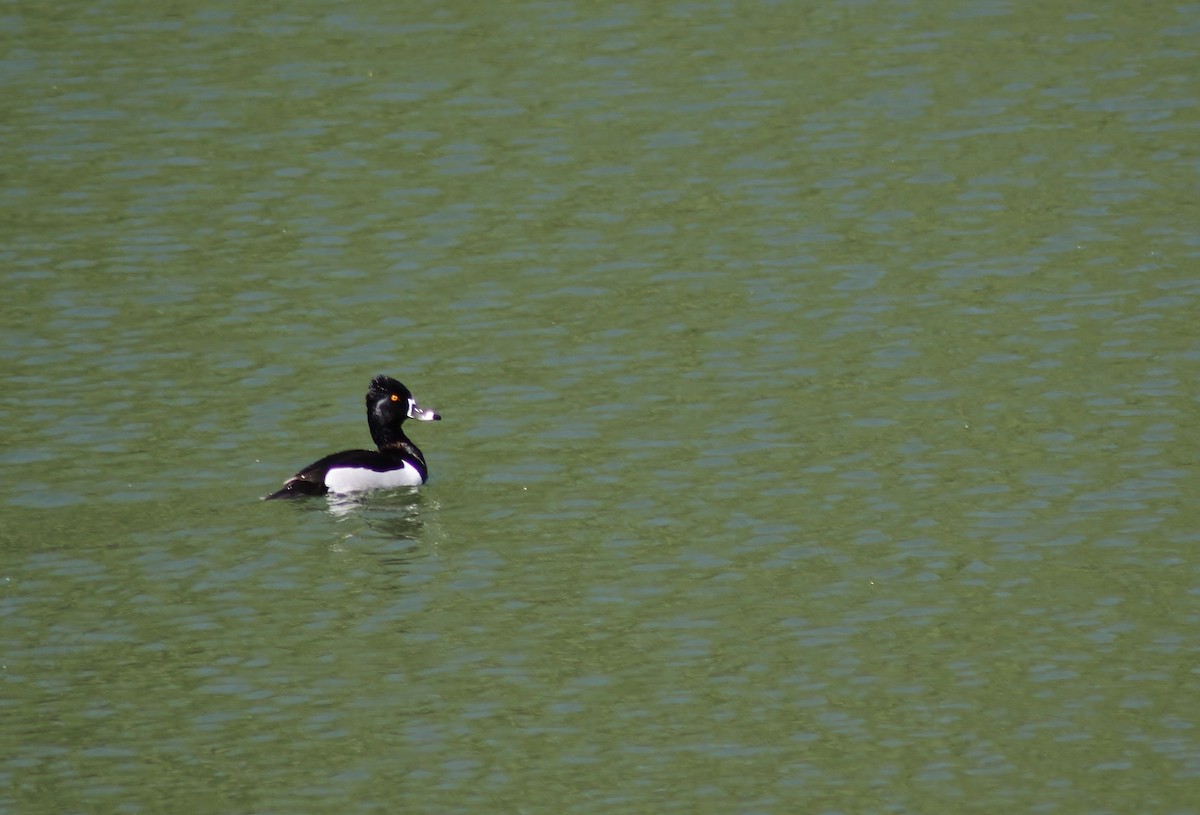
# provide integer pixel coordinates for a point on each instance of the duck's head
(389, 403)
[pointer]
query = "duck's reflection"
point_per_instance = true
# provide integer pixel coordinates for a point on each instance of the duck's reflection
(394, 524)
(394, 528)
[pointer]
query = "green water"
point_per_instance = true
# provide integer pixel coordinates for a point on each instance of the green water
(818, 382)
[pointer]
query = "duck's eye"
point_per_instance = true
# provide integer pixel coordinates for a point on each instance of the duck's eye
(395, 398)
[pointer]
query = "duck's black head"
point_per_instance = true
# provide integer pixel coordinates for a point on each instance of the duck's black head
(389, 403)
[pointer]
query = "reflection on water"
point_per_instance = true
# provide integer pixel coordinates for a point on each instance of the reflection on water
(393, 526)
(398, 524)
(402, 505)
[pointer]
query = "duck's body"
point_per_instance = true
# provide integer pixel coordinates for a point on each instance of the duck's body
(397, 463)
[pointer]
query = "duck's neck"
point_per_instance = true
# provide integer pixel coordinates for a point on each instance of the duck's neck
(388, 439)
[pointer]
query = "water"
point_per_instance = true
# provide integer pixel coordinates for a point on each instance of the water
(818, 393)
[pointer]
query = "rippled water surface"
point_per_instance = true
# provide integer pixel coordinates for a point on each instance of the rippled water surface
(819, 385)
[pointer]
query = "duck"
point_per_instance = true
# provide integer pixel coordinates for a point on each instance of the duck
(396, 463)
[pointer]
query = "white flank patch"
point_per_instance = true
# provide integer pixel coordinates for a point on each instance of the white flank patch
(355, 479)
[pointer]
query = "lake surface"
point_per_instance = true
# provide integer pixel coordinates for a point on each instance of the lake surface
(819, 393)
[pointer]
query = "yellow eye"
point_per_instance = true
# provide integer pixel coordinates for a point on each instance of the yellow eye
(395, 398)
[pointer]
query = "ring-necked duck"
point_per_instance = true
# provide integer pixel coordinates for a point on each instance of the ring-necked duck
(397, 463)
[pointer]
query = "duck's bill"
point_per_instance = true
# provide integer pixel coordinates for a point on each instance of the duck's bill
(419, 413)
